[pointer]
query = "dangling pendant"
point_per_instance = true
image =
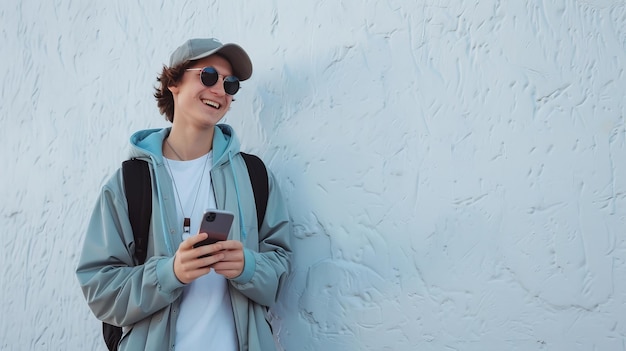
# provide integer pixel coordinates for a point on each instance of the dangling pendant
(187, 225)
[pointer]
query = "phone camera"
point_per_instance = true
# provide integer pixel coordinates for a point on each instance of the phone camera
(210, 217)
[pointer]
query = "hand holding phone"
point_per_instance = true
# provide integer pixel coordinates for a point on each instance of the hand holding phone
(216, 224)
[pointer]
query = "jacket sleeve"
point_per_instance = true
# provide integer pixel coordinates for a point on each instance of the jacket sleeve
(266, 270)
(117, 291)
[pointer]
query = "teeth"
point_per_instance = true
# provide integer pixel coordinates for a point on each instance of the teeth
(211, 103)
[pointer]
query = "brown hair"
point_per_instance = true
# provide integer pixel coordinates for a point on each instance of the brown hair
(170, 76)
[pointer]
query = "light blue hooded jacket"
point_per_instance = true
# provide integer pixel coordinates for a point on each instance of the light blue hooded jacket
(145, 299)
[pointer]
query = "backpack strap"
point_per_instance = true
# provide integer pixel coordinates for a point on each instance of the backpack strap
(260, 184)
(138, 189)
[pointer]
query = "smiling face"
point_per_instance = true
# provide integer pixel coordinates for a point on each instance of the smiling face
(196, 104)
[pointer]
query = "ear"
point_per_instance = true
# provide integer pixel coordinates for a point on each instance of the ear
(174, 89)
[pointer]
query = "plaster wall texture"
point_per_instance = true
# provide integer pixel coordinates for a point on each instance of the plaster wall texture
(455, 170)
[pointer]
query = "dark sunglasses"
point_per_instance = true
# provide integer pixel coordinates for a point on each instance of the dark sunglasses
(209, 77)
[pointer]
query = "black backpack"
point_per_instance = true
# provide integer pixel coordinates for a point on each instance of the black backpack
(138, 188)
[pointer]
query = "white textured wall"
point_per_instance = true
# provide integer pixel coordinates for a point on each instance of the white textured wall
(455, 170)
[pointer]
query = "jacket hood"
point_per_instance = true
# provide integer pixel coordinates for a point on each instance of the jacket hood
(147, 144)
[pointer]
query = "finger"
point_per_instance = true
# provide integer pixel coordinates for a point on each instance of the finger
(188, 269)
(231, 245)
(232, 255)
(188, 243)
(206, 250)
(188, 275)
(228, 265)
(209, 261)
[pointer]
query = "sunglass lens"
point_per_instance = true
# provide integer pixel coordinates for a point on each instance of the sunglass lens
(209, 76)
(231, 85)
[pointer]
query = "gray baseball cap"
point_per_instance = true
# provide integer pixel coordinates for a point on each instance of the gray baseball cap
(195, 49)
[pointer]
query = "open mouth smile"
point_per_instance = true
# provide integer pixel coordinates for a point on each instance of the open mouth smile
(211, 103)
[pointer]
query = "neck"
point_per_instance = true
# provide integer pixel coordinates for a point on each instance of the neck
(187, 144)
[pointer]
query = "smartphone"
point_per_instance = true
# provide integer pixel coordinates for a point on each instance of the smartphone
(216, 224)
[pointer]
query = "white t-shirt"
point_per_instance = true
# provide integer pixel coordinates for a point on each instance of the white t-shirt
(206, 319)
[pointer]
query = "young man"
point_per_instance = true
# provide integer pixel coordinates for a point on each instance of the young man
(180, 298)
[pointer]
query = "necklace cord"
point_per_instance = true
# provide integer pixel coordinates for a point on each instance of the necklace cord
(186, 220)
(173, 150)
